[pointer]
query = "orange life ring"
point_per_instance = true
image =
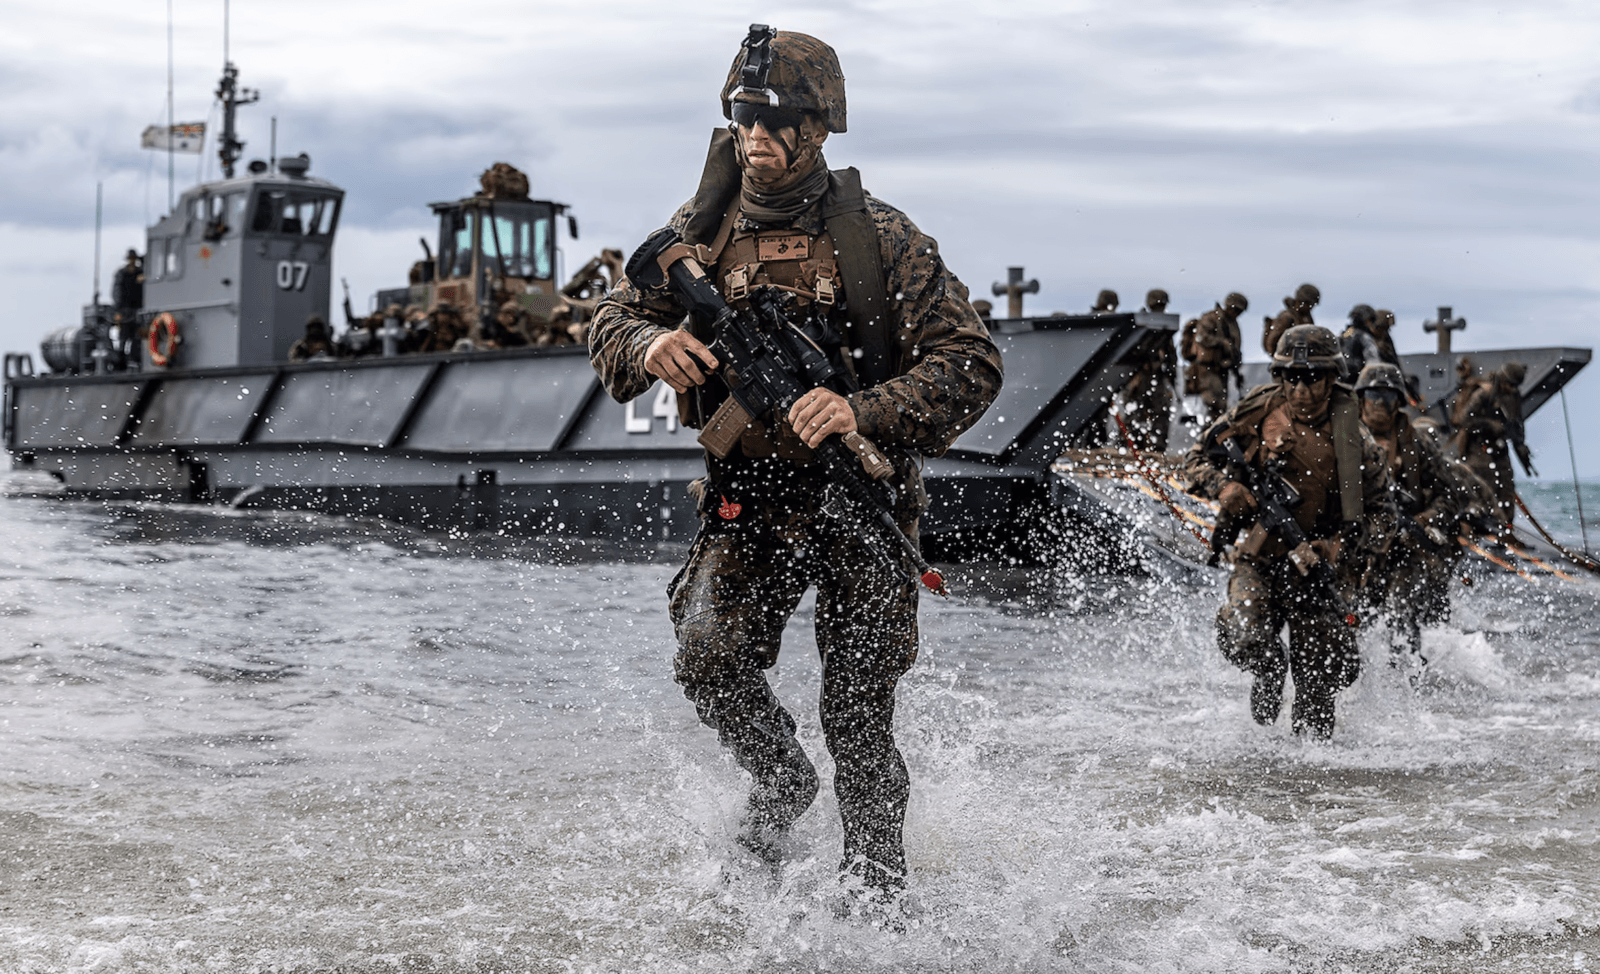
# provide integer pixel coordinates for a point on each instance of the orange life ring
(163, 338)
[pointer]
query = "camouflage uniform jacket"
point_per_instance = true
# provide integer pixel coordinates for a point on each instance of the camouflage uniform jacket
(948, 369)
(1361, 348)
(1430, 489)
(1315, 473)
(1286, 319)
(1214, 342)
(1487, 414)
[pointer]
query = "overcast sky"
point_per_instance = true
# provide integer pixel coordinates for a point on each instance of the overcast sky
(1406, 155)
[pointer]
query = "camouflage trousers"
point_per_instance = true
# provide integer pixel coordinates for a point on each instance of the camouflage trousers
(1322, 658)
(729, 604)
(1491, 461)
(1414, 586)
(1149, 415)
(1211, 387)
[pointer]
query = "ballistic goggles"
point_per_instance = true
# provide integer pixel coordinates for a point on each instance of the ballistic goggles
(747, 114)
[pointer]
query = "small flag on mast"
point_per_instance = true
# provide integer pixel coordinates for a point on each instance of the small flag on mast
(187, 137)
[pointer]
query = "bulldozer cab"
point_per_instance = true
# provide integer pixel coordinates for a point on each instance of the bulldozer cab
(493, 250)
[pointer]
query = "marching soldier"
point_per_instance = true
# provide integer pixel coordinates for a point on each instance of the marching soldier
(1411, 581)
(1147, 398)
(1296, 311)
(1487, 420)
(1366, 339)
(1213, 347)
(1305, 431)
(872, 291)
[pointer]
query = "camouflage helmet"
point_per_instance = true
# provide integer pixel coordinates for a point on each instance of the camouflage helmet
(1308, 347)
(1385, 320)
(1514, 372)
(1106, 301)
(1156, 300)
(1363, 315)
(1236, 302)
(1308, 294)
(1381, 375)
(788, 72)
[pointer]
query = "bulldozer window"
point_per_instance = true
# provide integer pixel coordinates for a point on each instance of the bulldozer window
(521, 240)
(455, 243)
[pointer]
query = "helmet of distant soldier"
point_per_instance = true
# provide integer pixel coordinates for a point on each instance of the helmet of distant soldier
(1362, 316)
(1311, 347)
(1307, 294)
(1385, 320)
(785, 73)
(1236, 302)
(1106, 301)
(1514, 373)
(1156, 300)
(1381, 375)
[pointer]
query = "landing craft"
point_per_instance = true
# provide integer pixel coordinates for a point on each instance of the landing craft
(192, 399)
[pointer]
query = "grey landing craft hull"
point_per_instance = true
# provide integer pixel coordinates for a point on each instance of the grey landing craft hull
(521, 441)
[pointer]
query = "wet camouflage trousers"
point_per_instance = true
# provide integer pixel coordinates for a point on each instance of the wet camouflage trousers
(1148, 412)
(1211, 387)
(1414, 584)
(1322, 658)
(1491, 461)
(729, 605)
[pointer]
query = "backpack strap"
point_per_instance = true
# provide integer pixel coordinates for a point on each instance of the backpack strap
(855, 237)
(1346, 421)
(717, 194)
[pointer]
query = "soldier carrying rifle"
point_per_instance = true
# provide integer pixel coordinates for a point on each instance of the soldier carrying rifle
(790, 245)
(1312, 488)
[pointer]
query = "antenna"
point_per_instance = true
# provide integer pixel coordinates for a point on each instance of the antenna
(229, 145)
(274, 154)
(98, 188)
(170, 140)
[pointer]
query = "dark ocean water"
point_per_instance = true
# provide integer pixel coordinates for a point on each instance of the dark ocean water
(259, 742)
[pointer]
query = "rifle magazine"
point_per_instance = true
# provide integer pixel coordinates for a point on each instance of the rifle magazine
(725, 428)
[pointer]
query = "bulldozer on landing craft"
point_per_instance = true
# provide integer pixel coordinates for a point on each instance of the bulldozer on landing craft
(491, 281)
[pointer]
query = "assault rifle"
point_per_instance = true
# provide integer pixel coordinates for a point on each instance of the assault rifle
(349, 314)
(768, 364)
(1276, 500)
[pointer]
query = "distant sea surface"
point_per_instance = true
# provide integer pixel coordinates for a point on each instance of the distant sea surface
(246, 741)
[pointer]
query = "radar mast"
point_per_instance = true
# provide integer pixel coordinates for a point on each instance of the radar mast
(230, 146)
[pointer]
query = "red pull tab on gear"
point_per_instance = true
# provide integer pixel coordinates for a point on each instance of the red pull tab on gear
(935, 582)
(728, 511)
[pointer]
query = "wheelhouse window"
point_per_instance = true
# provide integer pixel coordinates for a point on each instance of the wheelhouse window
(173, 260)
(294, 214)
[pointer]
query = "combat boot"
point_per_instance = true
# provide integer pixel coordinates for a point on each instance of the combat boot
(752, 724)
(1266, 693)
(1313, 712)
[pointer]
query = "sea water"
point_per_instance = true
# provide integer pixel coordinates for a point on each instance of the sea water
(243, 741)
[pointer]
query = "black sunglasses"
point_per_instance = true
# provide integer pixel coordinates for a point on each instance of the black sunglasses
(1382, 395)
(747, 114)
(1301, 377)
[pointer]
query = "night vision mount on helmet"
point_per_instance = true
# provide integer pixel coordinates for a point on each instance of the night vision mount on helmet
(1381, 375)
(1310, 347)
(779, 75)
